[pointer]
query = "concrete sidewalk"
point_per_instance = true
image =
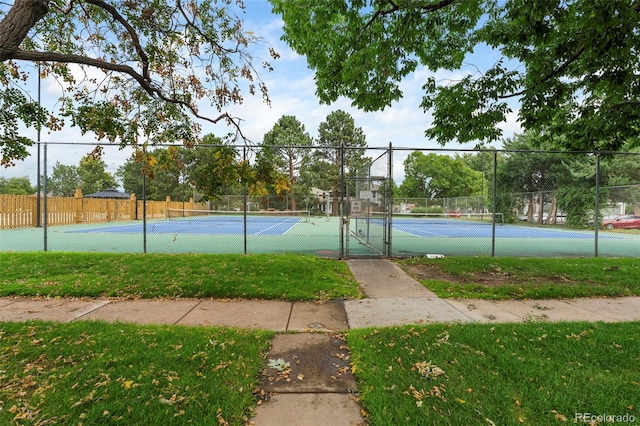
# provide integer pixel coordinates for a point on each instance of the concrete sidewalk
(329, 316)
(392, 298)
(328, 394)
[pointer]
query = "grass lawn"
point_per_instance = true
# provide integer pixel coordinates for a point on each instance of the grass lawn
(98, 373)
(502, 374)
(498, 374)
(280, 277)
(526, 278)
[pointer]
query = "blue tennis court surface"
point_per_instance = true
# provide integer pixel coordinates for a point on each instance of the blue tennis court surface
(461, 228)
(281, 225)
(219, 225)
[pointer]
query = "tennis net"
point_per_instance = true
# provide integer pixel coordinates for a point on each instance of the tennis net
(275, 216)
(444, 219)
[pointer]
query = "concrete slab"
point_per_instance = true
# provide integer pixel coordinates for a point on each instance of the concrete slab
(615, 309)
(392, 312)
(4, 301)
(310, 316)
(483, 310)
(143, 311)
(548, 310)
(309, 409)
(318, 362)
(264, 314)
(561, 310)
(62, 310)
(381, 278)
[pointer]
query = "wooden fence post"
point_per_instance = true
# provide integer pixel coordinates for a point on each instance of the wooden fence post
(77, 200)
(132, 207)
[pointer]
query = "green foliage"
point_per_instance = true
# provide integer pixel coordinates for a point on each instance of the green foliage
(16, 109)
(16, 186)
(336, 132)
(93, 175)
(63, 180)
(128, 71)
(165, 174)
(287, 143)
(439, 176)
(430, 209)
(362, 49)
(568, 68)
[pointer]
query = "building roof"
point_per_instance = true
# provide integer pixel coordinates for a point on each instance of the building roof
(108, 193)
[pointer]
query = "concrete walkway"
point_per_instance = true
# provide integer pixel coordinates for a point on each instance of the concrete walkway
(321, 390)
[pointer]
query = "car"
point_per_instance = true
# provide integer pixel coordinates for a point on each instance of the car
(622, 222)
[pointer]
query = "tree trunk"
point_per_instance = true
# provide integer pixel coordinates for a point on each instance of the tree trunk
(17, 23)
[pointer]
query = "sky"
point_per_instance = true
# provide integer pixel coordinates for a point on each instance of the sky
(292, 92)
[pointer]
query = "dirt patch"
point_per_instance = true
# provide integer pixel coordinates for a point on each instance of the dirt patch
(433, 272)
(490, 279)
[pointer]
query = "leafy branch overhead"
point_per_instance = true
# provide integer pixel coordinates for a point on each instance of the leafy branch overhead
(129, 70)
(565, 67)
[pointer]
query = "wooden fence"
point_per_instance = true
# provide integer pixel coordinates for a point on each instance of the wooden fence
(20, 211)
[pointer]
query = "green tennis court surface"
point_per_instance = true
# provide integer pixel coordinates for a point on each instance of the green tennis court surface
(320, 235)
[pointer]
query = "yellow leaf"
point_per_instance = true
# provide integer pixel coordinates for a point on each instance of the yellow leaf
(127, 384)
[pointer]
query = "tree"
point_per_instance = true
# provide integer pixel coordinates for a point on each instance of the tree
(93, 175)
(569, 68)
(439, 176)
(336, 132)
(623, 177)
(16, 186)
(131, 70)
(165, 177)
(289, 143)
(541, 182)
(64, 180)
(217, 166)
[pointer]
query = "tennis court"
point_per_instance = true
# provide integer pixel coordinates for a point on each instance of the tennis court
(301, 232)
(214, 222)
(478, 226)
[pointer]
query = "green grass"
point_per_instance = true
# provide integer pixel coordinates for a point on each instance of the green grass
(97, 373)
(527, 278)
(278, 277)
(503, 374)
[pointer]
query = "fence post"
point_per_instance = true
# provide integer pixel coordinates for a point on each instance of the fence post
(77, 200)
(493, 207)
(596, 216)
(389, 201)
(133, 202)
(35, 209)
(110, 210)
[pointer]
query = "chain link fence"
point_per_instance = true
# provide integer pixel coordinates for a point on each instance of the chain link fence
(340, 202)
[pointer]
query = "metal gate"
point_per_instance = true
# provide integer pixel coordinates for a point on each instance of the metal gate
(367, 223)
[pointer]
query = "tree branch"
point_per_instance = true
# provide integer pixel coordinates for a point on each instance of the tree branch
(132, 33)
(551, 74)
(145, 84)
